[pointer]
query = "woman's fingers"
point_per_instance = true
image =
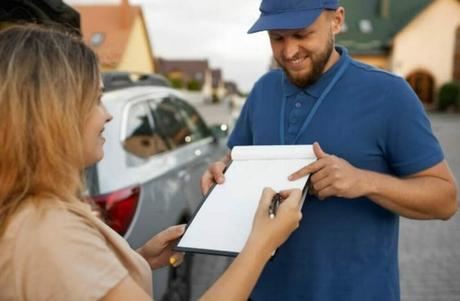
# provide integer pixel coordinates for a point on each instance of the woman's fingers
(267, 196)
(172, 233)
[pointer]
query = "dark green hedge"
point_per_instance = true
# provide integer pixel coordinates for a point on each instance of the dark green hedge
(449, 96)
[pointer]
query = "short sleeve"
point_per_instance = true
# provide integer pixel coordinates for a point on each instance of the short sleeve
(242, 133)
(62, 257)
(410, 144)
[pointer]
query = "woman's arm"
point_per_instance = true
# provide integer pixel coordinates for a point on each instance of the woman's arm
(238, 281)
(127, 289)
(267, 234)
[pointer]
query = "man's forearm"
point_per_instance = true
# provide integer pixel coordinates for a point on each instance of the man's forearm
(418, 197)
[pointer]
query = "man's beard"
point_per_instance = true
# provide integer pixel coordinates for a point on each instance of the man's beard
(318, 61)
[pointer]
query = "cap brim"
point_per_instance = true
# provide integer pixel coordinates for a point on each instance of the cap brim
(286, 20)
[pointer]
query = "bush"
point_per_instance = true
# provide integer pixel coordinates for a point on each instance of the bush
(215, 98)
(194, 85)
(449, 96)
(177, 83)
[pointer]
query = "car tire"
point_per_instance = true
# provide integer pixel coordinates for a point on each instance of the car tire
(179, 284)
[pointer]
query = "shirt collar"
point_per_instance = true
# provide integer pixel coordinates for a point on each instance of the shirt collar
(317, 88)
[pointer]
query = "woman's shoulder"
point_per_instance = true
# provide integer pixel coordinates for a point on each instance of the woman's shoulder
(59, 244)
(50, 227)
(50, 219)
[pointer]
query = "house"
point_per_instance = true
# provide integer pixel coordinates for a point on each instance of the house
(119, 36)
(417, 39)
(189, 74)
(218, 86)
(232, 88)
(186, 73)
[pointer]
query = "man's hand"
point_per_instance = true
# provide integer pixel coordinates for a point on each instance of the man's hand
(214, 174)
(332, 176)
(158, 250)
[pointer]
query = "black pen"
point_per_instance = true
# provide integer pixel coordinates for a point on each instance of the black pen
(275, 203)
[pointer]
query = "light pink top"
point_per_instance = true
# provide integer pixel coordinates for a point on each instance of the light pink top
(65, 254)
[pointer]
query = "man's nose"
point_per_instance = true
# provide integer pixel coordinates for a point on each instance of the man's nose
(291, 48)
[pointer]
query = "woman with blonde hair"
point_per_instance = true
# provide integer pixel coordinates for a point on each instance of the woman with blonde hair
(51, 245)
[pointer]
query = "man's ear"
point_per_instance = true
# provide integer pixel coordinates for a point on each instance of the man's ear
(338, 18)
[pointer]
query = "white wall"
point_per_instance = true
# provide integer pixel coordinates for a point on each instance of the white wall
(428, 42)
(137, 56)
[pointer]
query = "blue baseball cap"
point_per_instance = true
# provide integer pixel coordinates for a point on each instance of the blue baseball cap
(290, 14)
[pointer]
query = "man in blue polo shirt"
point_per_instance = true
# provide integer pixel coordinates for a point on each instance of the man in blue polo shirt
(377, 158)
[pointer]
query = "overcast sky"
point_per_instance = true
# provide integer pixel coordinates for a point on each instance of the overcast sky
(210, 29)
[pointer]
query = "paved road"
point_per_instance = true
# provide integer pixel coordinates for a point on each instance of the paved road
(429, 250)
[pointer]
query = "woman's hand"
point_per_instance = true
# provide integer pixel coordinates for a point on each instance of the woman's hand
(158, 250)
(269, 233)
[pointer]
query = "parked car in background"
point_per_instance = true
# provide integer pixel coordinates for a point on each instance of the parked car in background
(157, 147)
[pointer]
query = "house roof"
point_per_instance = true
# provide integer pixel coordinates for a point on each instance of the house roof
(371, 25)
(190, 68)
(106, 28)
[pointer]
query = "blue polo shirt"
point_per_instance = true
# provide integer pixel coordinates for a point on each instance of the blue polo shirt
(344, 249)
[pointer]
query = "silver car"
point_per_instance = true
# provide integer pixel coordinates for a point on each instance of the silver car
(157, 147)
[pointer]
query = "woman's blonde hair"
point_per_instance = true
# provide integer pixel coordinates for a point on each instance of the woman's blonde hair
(49, 82)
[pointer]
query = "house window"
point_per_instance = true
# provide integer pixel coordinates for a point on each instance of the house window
(365, 26)
(97, 39)
(456, 74)
(423, 84)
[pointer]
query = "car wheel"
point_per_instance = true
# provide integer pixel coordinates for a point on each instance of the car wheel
(179, 285)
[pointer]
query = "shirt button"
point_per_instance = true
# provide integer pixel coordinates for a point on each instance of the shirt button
(298, 105)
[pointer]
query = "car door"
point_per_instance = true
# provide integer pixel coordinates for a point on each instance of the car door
(192, 142)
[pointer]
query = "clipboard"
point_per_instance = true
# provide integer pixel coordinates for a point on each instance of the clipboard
(223, 221)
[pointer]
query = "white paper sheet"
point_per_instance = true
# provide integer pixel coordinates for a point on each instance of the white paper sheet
(224, 221)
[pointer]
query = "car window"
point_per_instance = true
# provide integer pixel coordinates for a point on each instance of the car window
(171, 122)
(193, 119)
(142, 138)
(179, 122)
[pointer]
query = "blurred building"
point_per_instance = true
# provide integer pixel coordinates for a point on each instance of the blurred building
(194, 75)
(232, 88)
(118, 34)
(417, 39)
(218, 85)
